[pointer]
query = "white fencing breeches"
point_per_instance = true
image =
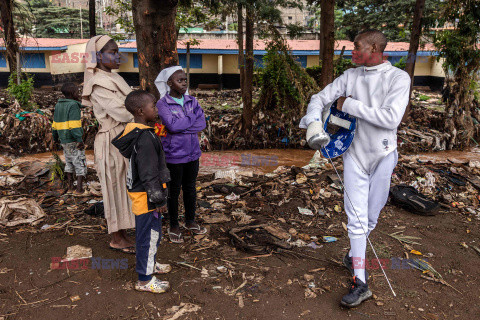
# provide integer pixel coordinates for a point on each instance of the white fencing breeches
(368, 193)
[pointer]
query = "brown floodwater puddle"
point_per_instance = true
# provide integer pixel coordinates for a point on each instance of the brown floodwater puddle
(258, 161)
(264, 160)
(450, 156)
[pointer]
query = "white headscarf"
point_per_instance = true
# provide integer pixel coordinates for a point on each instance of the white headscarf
(162, 78)
(94, 45)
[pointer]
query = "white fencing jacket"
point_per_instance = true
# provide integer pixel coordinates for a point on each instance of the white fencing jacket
(379, 97)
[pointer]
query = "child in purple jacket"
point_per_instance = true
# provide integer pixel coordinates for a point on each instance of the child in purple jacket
(184, 119)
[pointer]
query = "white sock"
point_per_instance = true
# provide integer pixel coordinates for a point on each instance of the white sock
(358, 245)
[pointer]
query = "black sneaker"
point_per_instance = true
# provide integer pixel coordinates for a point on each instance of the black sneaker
(348, 263)
(359, 292)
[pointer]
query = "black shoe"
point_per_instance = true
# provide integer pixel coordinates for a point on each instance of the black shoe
(359, 292)
(348, 263)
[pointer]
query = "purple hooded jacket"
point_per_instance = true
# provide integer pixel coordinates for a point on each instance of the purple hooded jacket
(183, 124)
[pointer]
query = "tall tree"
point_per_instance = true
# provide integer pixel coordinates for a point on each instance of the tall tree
(247, 92)
(43, 19)
(327, 35)
(394, 18)
(259, 16)
(91, 18)
(156, 36)
(6, 14)
(460, 49)
(413, 48)
(415, 38)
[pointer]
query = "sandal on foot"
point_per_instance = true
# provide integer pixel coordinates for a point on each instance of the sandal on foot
(80, 195)
(129, 250)
(175, 237)
(154, 286)
(161, 268)
(197, 230)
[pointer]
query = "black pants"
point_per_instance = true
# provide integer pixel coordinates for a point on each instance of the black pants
(184, 177)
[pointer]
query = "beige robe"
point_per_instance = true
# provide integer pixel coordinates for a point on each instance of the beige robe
(107, 91)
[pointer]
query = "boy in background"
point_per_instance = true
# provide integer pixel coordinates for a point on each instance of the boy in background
(67, 129)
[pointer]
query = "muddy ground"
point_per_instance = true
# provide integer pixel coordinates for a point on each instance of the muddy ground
(290, 271)
(213, 279)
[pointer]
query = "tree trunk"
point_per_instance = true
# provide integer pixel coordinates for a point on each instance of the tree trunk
(415, 38)
(328, 34)
(322, 39)
(247, 93)
(241, 55)
(412, 50)
(6, 11)
(156, 35)
(459, 110)
(91, 18)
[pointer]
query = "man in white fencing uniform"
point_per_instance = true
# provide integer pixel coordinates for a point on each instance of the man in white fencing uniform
(376, 94)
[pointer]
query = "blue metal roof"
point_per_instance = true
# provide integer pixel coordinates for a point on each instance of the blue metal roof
(40, 48)
(294, 52)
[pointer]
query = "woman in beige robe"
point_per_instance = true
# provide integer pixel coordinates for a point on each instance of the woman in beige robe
(106, 92)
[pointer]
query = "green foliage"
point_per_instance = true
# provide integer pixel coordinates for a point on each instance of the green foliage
(189, 14)
(459, 47)
(285, 85)
(57, 168)
(339, 67)
(423, 97)
(314, 72)
(44, 19)
(119, 10)
(21, 92)
(401, 64)
(314, 22)
(394, 18)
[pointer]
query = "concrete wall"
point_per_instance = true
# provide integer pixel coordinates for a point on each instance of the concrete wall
(69, 61)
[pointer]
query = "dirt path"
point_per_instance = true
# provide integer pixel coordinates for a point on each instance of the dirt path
(272, 286)
(275, 285)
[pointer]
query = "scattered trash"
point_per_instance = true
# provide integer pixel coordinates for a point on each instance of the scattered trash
(313, 245)
(329, 239)
(418, 253)
(256, 239)
(410, 199)
(176, 312)
(45, 227)
(309, 294)
(298, 243)
(277, 232)
(96, 209)
(308, 277)
(232, 197)
(337, 208)
(222, 269)
(75, 298)
(215, 217)
(20, 211)
(305, 211)
(226, 174)
(244, 218)
(402, 238)
(429, 272)
(301, 178)
(77, 252)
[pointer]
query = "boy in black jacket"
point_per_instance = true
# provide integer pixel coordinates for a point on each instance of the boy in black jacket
(147, 179)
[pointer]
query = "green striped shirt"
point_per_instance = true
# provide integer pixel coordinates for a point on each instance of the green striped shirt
(67, 121)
